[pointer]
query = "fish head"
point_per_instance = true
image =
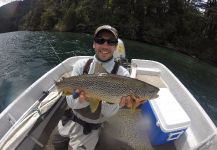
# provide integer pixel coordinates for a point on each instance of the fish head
(64, 87)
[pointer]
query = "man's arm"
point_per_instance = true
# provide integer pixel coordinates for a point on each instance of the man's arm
(77, 102)
(109, 110)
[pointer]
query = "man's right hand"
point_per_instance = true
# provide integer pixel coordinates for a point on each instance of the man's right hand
(80, 94)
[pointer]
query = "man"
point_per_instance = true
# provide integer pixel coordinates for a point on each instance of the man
(79, 129)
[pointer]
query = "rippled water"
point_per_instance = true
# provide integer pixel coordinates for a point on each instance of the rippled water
(26, 56)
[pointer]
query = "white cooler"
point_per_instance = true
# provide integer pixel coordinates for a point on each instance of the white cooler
(168, 120)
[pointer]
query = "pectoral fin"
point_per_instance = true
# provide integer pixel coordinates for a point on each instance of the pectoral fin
(133, 102)
(94, 103)
(133, 105)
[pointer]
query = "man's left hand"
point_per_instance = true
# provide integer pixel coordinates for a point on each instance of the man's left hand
(128, 101)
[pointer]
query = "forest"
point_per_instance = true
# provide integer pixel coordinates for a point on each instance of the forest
(187, 26)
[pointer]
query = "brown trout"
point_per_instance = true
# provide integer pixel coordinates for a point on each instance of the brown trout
(107, 87)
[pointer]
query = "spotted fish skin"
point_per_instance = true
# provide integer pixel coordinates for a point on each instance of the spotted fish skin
(108, 87)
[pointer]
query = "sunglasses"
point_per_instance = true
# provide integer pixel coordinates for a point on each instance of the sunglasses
(110, 42)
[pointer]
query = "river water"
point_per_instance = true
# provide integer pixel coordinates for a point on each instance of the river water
(25, 56)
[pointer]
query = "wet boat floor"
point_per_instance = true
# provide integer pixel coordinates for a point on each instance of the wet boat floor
(124, 131)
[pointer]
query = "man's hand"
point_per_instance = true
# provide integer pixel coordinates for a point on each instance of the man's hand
(79, 94)
(128, 101)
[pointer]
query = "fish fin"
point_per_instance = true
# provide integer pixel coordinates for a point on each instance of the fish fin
(94, 103)
(133, 106)
(133, 103)
(147, 97)
(67, 92)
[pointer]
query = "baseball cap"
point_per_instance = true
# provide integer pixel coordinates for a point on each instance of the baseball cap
(108, 28)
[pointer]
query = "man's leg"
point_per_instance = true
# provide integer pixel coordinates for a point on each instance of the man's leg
(59, 142)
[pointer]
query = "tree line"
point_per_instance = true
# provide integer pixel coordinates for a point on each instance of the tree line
(189, 26)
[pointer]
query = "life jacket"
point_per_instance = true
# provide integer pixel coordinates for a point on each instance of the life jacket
(87, 67)
(86, 110)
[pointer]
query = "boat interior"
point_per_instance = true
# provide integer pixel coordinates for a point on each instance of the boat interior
(125, 127)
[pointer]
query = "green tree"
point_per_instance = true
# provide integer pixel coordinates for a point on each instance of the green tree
(211, 16)
(48, 19)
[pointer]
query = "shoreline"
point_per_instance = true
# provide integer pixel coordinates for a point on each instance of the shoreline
(169, 47)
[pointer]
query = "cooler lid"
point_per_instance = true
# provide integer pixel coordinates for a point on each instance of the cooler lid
(169, 113)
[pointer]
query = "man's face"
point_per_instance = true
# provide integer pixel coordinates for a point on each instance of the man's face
(104, 51)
